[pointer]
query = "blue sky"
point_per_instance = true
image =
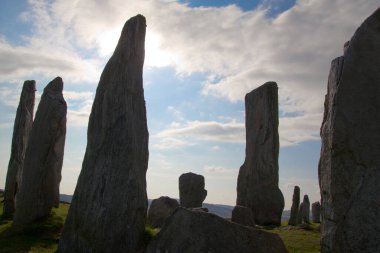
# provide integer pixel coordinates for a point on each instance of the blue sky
(202, 57)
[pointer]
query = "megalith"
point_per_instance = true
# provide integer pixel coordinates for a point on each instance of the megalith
(305, 210)
(194, 231)
(21, 131)
(316, 212)
(41, 173)
(257, 186)
(191, 190)
(159, 210)
(349, 166)
(243, 215)
(295, 205)
(109, 207)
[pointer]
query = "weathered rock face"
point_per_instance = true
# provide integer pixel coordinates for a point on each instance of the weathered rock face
(305, 210)
(295, 205)
(191, 190)
(257, 186)
(159, 210)
(190, 231)
(243, 215)
(109, 206)
(41, 174)
(21, 130)
(316, 212)
(349, 167)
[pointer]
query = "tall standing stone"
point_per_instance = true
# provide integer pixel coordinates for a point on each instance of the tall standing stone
(191, 190)
(21, 130)
(305, 210)
(295, 205)
(316, 212)
(109, 206)
(257, 186)
(41, 174)
(349, 166)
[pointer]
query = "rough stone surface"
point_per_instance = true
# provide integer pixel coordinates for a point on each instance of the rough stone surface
(191, 190)
(295, 205)
(109, 206)
(41, 174)
(189, 231)
(159, 210)
(316, 212)
(257, 186)
(243, 215)
(21, 130)
(349, 167)
(305, 210)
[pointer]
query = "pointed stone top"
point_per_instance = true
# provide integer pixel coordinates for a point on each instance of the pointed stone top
(29, 86)
(55, 86)
(296, 187)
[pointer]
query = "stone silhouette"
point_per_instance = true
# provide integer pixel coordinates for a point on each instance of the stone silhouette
(316, 212)
(109, 206)
(191, 190)
(295, 205)
(41, 173)
(159, 210)
(192, 231)
(349, 166)
(305, 210)
(21, 130)
(257, 186)
(299, 215)
(243, 215)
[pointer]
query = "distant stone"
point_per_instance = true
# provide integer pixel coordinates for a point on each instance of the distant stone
(243, 215)
(159, 210)
(316, 212)
(295, 206)
(299, 215)
(109, 206)
(41, 173)
(190, 231)
(305, 211)
(191, 190)
(257, 186)
(349, 167)
(21, 130)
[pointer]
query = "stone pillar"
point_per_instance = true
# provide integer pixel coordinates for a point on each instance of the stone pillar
(295, 206)
(316, 212)
(191, 190)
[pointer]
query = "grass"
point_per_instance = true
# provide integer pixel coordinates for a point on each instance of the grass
(43, 236)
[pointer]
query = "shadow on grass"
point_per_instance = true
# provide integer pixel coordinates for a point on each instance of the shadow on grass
(41, 236)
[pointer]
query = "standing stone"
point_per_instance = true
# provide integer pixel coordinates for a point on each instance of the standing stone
(349, 166)
(21, 130)
(316, 212)
(41, 174)
(189, 231)
(160, 209)
(305, 211)
(295, 205)
(109, 206)
(191, 190)
(257, 186)
(243, 215)
(299, 215)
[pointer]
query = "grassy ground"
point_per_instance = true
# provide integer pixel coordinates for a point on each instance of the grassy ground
(43, 236)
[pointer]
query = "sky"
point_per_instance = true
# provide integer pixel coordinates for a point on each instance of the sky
(202, 57)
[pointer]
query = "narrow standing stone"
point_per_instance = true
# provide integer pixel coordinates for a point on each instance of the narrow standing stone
(257, 186)
(295, 205)
(191, 190)
(316, 212)
(109, 206)
(349, 166)
(305, 211)
(21, 131)
(41, 174)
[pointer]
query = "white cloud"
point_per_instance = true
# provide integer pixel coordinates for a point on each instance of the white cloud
(214, 169)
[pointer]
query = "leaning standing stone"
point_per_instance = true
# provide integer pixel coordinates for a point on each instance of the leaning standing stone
(295, 205)
(257, 186)
(316, 212)
(191, 190)
(41, 174)
(349, 167)
(109, 206)
(21, 130)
